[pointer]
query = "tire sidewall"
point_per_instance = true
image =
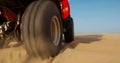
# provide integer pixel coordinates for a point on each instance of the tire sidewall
(40, 31)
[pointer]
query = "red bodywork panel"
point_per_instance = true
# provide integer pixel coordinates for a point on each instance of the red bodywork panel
(8, 14)
(65, 8)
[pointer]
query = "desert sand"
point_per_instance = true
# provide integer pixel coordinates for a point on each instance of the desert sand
(86, 48)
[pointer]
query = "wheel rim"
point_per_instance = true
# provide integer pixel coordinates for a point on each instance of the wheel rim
(55, 30)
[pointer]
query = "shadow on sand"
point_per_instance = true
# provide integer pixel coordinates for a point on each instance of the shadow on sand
(82, 39)
(88, 38)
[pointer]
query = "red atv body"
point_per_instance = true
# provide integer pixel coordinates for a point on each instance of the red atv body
(64, 4)
(40, 24)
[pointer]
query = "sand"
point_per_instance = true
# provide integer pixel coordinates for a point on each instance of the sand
(86, 48)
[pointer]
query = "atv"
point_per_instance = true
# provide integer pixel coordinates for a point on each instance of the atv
(39, 24)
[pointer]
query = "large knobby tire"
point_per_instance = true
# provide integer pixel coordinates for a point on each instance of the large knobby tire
(42, 29)
(69, 33)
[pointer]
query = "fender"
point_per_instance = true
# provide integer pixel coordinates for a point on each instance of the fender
(65, 9)
(64, 4)
(8, 14)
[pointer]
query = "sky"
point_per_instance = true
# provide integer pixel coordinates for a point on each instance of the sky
(96, 16)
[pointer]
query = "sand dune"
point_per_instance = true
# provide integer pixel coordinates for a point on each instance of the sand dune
(87, 48)
(100, 48)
